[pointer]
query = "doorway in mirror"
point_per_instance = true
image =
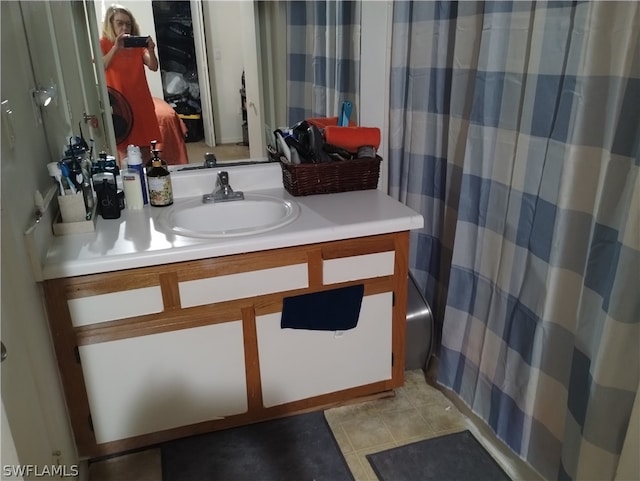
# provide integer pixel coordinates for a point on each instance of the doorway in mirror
(177, 55)
(223, 152)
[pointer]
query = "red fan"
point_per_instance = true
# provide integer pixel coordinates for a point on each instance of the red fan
(121, 115)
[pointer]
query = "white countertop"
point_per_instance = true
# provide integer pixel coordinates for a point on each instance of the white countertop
(134, 241)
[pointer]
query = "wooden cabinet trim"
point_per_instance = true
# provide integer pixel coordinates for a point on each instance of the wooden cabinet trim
(108, 282)
(315, 268)
(116, 281)
(175, 319)
(68, 364)
(238, 263)
(252, 366)
(399, 328)
(170, 291)
(172, 320)
(366, 245)
(326, 401)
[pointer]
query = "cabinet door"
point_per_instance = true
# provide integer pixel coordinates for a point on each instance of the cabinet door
(151, 383)
(297, 364)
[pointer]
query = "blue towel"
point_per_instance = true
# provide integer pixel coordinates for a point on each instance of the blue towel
(334, 310)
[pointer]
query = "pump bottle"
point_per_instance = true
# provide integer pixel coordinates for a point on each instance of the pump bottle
(149, 163)
(159, 180)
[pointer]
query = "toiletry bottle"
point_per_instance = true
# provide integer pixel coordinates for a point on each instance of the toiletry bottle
(112, 166)
(87, 192)
(134, 161)
(149, 163)
(100, 165)
(132, 187)
(159, 180)
(108, 197)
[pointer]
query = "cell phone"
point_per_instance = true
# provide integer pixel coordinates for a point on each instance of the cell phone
(133, 41)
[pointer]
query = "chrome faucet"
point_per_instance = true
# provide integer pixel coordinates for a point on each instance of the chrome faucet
(210, 160)
(223, 191)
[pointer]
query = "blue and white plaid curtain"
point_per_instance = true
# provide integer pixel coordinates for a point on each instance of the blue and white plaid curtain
(323, 58)
(515, 131)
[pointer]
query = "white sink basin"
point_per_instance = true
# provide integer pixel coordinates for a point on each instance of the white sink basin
(255, 214)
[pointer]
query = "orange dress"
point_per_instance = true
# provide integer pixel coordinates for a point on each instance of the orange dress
(125, 73)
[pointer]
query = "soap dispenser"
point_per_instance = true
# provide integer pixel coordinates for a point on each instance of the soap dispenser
(159, 182)
(149, 163)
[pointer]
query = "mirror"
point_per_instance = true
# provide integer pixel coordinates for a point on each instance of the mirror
(41, 19)
(266, 29)
(227, 47)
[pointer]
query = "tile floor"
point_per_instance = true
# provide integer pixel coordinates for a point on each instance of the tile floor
(417, 411)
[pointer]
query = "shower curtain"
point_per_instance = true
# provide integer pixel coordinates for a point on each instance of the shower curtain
(515, 131)
(323, 58)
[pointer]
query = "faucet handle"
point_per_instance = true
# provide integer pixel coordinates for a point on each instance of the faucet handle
(223, 177)
(210, 160)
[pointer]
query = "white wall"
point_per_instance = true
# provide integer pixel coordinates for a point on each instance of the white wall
(225, 57)
(31, 390)
(375, 62)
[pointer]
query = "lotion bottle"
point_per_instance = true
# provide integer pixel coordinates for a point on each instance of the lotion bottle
(132, 187)
(134, 161)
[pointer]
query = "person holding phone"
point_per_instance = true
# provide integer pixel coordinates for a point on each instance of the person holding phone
(124, 62)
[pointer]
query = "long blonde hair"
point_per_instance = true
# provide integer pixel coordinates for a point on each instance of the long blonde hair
(107, 24)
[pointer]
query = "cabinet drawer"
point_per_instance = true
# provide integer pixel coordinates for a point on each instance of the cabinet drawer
(358, 267)
(146, 384)
(297, 363)
(243, 285)
(115, 305)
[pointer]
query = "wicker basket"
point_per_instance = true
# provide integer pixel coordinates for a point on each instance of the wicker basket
(331, 177)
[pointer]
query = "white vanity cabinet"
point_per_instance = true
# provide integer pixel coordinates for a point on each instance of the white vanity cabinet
(145, 384)
(325, 361)
(160, 352)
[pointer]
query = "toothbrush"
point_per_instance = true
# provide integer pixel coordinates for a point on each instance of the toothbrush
(65, 173)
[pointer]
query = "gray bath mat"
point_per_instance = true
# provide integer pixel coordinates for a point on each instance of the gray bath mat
(446, 458)
(295, 448)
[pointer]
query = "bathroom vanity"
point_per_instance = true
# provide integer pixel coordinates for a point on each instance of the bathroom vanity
(160, 336)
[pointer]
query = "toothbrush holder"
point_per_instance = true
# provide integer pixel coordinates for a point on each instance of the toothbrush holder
(72, 207)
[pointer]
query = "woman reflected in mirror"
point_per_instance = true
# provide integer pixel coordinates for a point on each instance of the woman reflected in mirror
(124, 72)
